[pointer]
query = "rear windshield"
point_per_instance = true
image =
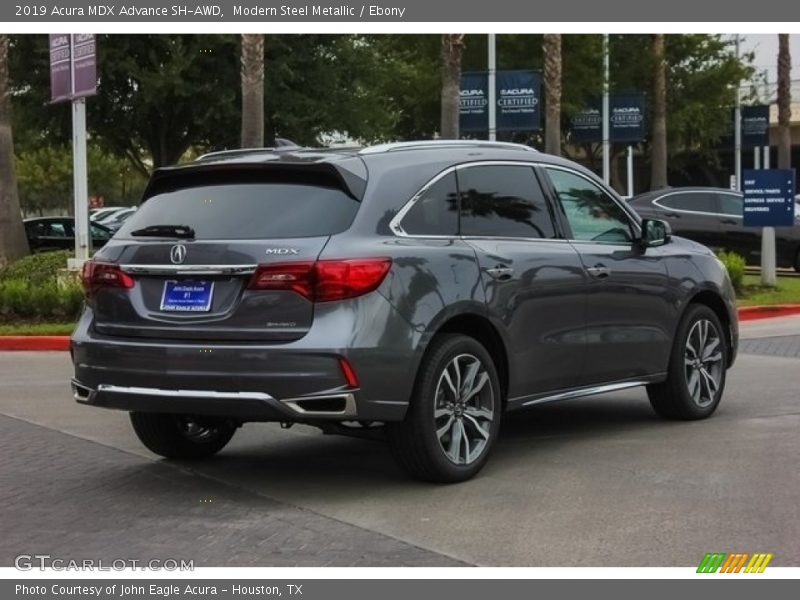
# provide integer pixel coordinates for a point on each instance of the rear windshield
(248, 210)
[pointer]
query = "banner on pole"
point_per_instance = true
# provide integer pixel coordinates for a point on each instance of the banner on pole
(627, 116)
(73, 66)
(518, 97)
(755, 126)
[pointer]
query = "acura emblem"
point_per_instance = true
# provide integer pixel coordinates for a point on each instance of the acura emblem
(178, 254)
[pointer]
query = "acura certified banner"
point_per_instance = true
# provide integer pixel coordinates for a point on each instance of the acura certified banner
(517, 94)
(627, 120)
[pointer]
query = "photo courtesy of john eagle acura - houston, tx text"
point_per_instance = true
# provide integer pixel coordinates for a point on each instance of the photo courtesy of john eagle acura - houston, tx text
(419, 292)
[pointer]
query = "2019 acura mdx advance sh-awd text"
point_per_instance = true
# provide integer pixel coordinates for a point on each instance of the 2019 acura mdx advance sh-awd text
(417, 290)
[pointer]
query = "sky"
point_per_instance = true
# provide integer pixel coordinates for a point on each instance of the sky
(766, 49)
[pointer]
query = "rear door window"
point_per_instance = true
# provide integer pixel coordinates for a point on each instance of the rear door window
(435, 212)
(248, 206)
(503, 201)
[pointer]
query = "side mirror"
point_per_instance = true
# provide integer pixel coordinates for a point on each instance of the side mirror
(655, 232)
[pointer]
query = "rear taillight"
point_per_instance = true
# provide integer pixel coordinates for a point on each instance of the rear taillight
(96, 275)
(323, 280)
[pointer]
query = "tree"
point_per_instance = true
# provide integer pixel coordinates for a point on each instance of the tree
(44, 177)
(784, 102)
(551, 47)
(658, 166)
(13, 243)
(252, 72)
(452, 48)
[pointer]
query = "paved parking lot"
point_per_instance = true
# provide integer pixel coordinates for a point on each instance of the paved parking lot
(591, 482)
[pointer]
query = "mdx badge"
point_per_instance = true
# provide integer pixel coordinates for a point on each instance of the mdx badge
(282, 251)
(177, 254)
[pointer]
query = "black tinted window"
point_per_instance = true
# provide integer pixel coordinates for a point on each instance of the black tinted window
(248, 209)
(435, 212)
(692, 201)
(503, 201)
(731, 204)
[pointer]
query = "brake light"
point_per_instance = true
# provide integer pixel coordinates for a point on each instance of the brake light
(323, 280)
(96, 275)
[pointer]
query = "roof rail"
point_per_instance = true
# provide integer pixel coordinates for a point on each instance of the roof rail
(281, 145)
(393, 146)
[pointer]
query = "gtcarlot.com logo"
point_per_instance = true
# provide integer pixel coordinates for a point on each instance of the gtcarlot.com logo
(736, 562)
(28, 562)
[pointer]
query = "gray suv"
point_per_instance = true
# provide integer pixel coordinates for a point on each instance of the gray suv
(412, 291)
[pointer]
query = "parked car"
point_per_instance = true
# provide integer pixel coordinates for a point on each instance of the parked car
(58, 233)
(713, 217)
(115, 221)
(98, 214)
(415, 291)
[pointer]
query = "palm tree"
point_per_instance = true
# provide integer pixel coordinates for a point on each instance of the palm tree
(13, 243)
(658, 157)
(452, 48)
(252, 69)
(551, 46)
(784, 102)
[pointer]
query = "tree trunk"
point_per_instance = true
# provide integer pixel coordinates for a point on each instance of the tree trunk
(784, 102)
(551, 46)
(13, 243)
(658, 154)
(252, 70)
(452, 48)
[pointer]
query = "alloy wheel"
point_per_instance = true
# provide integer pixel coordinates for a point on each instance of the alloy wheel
(464, 409)
(703, 362)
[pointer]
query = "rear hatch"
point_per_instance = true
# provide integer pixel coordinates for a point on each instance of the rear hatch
(188, 258)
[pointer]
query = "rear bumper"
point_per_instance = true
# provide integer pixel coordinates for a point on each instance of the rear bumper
(299, 381)
(246, 406)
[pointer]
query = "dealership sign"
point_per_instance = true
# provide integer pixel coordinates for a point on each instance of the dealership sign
(518, 101)
(627, 122)
(768, 198)
(73, 66)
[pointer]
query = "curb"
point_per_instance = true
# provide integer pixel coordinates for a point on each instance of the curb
(61, 342)
(752, 313)
(34, 342)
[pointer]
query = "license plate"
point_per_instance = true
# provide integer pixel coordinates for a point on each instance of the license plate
(187, 296)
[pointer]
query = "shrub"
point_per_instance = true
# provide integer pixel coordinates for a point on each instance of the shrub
(735, 264)
(38, 288)
(37, 268)
(43, 301)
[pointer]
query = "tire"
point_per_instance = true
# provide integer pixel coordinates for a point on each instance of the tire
(181, 436)
(797, 261)
(445, 456)
(694, 384)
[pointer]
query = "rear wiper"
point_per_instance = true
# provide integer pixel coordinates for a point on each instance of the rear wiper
(176, 231)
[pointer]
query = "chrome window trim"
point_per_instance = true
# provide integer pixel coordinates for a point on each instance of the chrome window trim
(396, 227)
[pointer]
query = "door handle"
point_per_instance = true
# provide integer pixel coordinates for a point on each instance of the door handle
(673, 215)
(599, 272)
(500, 272)
(728, 222)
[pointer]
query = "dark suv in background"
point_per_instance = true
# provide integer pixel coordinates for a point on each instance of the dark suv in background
(416, 291)
(713, 217)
